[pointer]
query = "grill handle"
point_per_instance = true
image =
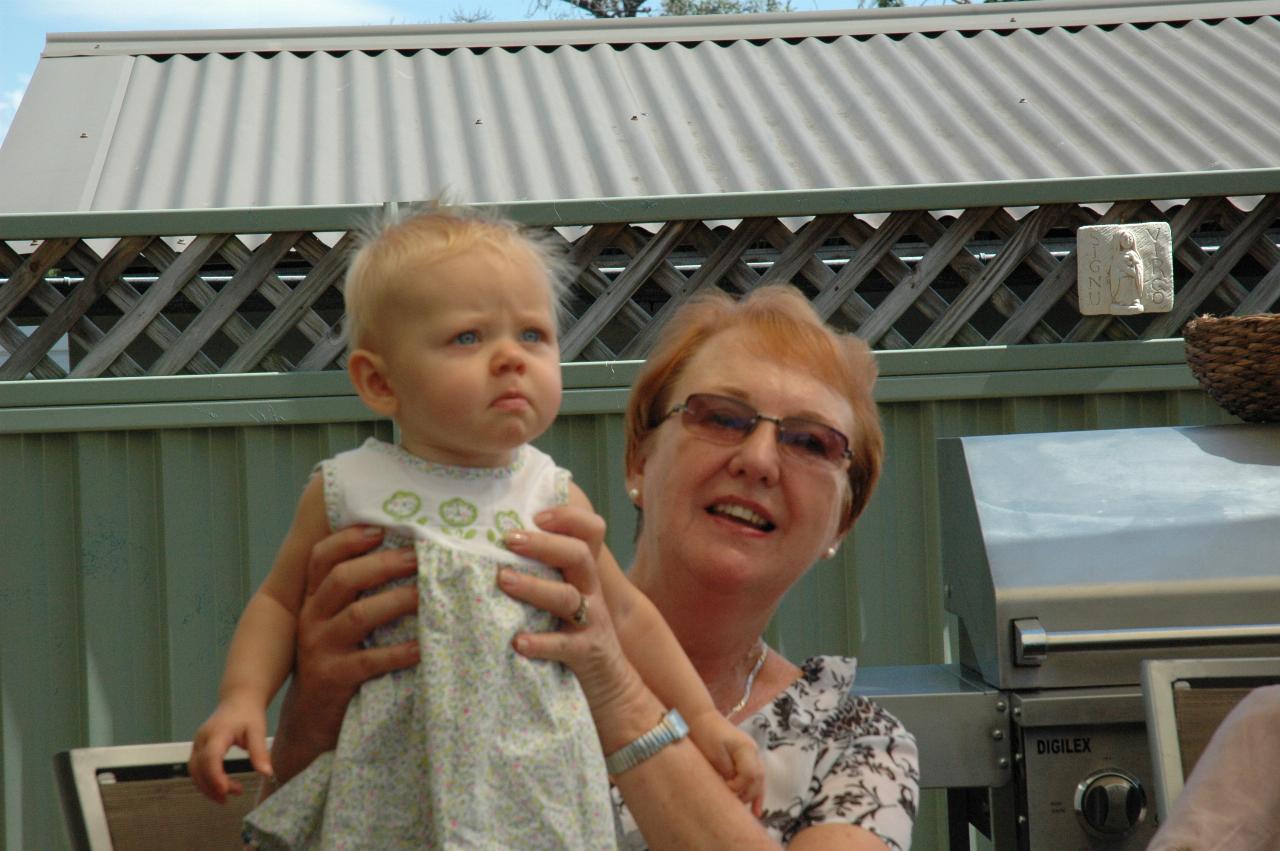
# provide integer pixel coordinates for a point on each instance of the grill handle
(1032, 642)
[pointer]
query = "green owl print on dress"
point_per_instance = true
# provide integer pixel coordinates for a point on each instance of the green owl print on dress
(457, 515)
(402, 505)
(503, 522)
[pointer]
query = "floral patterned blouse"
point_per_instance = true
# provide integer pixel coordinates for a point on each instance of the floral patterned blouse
(830, 757)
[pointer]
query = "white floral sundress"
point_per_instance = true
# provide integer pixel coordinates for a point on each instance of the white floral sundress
(476, 747)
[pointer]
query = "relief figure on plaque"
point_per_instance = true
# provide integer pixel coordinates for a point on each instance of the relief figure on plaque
(1126, 276)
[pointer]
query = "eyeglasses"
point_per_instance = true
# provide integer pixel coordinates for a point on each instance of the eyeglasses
(727, 421)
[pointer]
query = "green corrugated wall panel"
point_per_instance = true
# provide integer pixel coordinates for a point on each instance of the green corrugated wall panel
(591, 445)
(275, 462)
(133, 529)
(40, 632)
(121, 593)
(205, 581)
(894, 542)
(814, 613)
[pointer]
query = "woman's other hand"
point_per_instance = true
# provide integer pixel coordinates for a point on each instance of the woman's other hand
(570, 538)
(332, 662)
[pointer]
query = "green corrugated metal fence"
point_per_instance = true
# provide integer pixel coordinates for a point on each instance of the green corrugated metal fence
(136, 515)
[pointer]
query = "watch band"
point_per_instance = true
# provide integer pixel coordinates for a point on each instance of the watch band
(669, 731)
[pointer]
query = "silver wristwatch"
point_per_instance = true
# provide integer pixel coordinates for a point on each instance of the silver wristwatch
(671, 730)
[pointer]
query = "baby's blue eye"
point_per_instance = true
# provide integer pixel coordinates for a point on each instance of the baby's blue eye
(532, 335)
(467, 338)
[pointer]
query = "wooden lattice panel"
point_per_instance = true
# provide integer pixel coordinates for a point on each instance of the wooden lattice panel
(163, 305)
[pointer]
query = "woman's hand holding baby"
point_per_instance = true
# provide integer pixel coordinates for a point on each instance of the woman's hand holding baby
(333, 622)
(570, 539)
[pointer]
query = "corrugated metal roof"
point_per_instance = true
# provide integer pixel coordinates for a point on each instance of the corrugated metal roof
(561, 111)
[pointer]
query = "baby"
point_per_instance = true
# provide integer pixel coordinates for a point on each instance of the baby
(452, 325)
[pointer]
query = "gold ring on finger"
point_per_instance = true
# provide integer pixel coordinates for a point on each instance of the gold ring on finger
(580, 615)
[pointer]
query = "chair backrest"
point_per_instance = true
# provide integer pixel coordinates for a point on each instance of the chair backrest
(1185, 701)
(140, 797)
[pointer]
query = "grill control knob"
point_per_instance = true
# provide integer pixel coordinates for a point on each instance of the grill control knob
(1110, 803)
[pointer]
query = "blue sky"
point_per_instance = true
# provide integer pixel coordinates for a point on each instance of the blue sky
(23, 23)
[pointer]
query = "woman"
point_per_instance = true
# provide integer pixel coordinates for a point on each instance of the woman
(752, 445)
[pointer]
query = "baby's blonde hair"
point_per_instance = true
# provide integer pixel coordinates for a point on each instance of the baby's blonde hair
(430, 234)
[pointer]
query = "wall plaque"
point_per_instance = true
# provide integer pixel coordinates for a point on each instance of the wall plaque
(1125, 269)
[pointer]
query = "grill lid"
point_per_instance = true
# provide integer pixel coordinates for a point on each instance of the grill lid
(1069, 557)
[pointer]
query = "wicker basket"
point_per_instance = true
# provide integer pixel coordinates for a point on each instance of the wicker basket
(1237, 361)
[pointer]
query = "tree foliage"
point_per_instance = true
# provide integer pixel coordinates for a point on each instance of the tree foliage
(635, 8)
(604, 8)
(723, 7)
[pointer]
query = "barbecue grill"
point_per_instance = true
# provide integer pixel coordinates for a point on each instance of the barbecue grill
(1068, 559)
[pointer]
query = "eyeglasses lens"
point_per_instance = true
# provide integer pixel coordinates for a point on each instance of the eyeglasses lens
(729, 421)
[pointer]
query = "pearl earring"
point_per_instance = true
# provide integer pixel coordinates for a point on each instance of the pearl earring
(634, 495)
(831, 551)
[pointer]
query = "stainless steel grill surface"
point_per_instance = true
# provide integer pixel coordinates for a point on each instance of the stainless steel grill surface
(1069, 558)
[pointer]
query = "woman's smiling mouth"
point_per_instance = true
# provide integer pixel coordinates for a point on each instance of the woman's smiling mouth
(741, 514)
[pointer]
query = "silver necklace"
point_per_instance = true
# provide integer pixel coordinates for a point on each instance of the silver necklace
(751, 680)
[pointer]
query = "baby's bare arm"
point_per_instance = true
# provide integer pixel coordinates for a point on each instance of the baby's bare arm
(261, 653)
(646, 638)
(661, 662)
(260, 656)
(651, 645)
